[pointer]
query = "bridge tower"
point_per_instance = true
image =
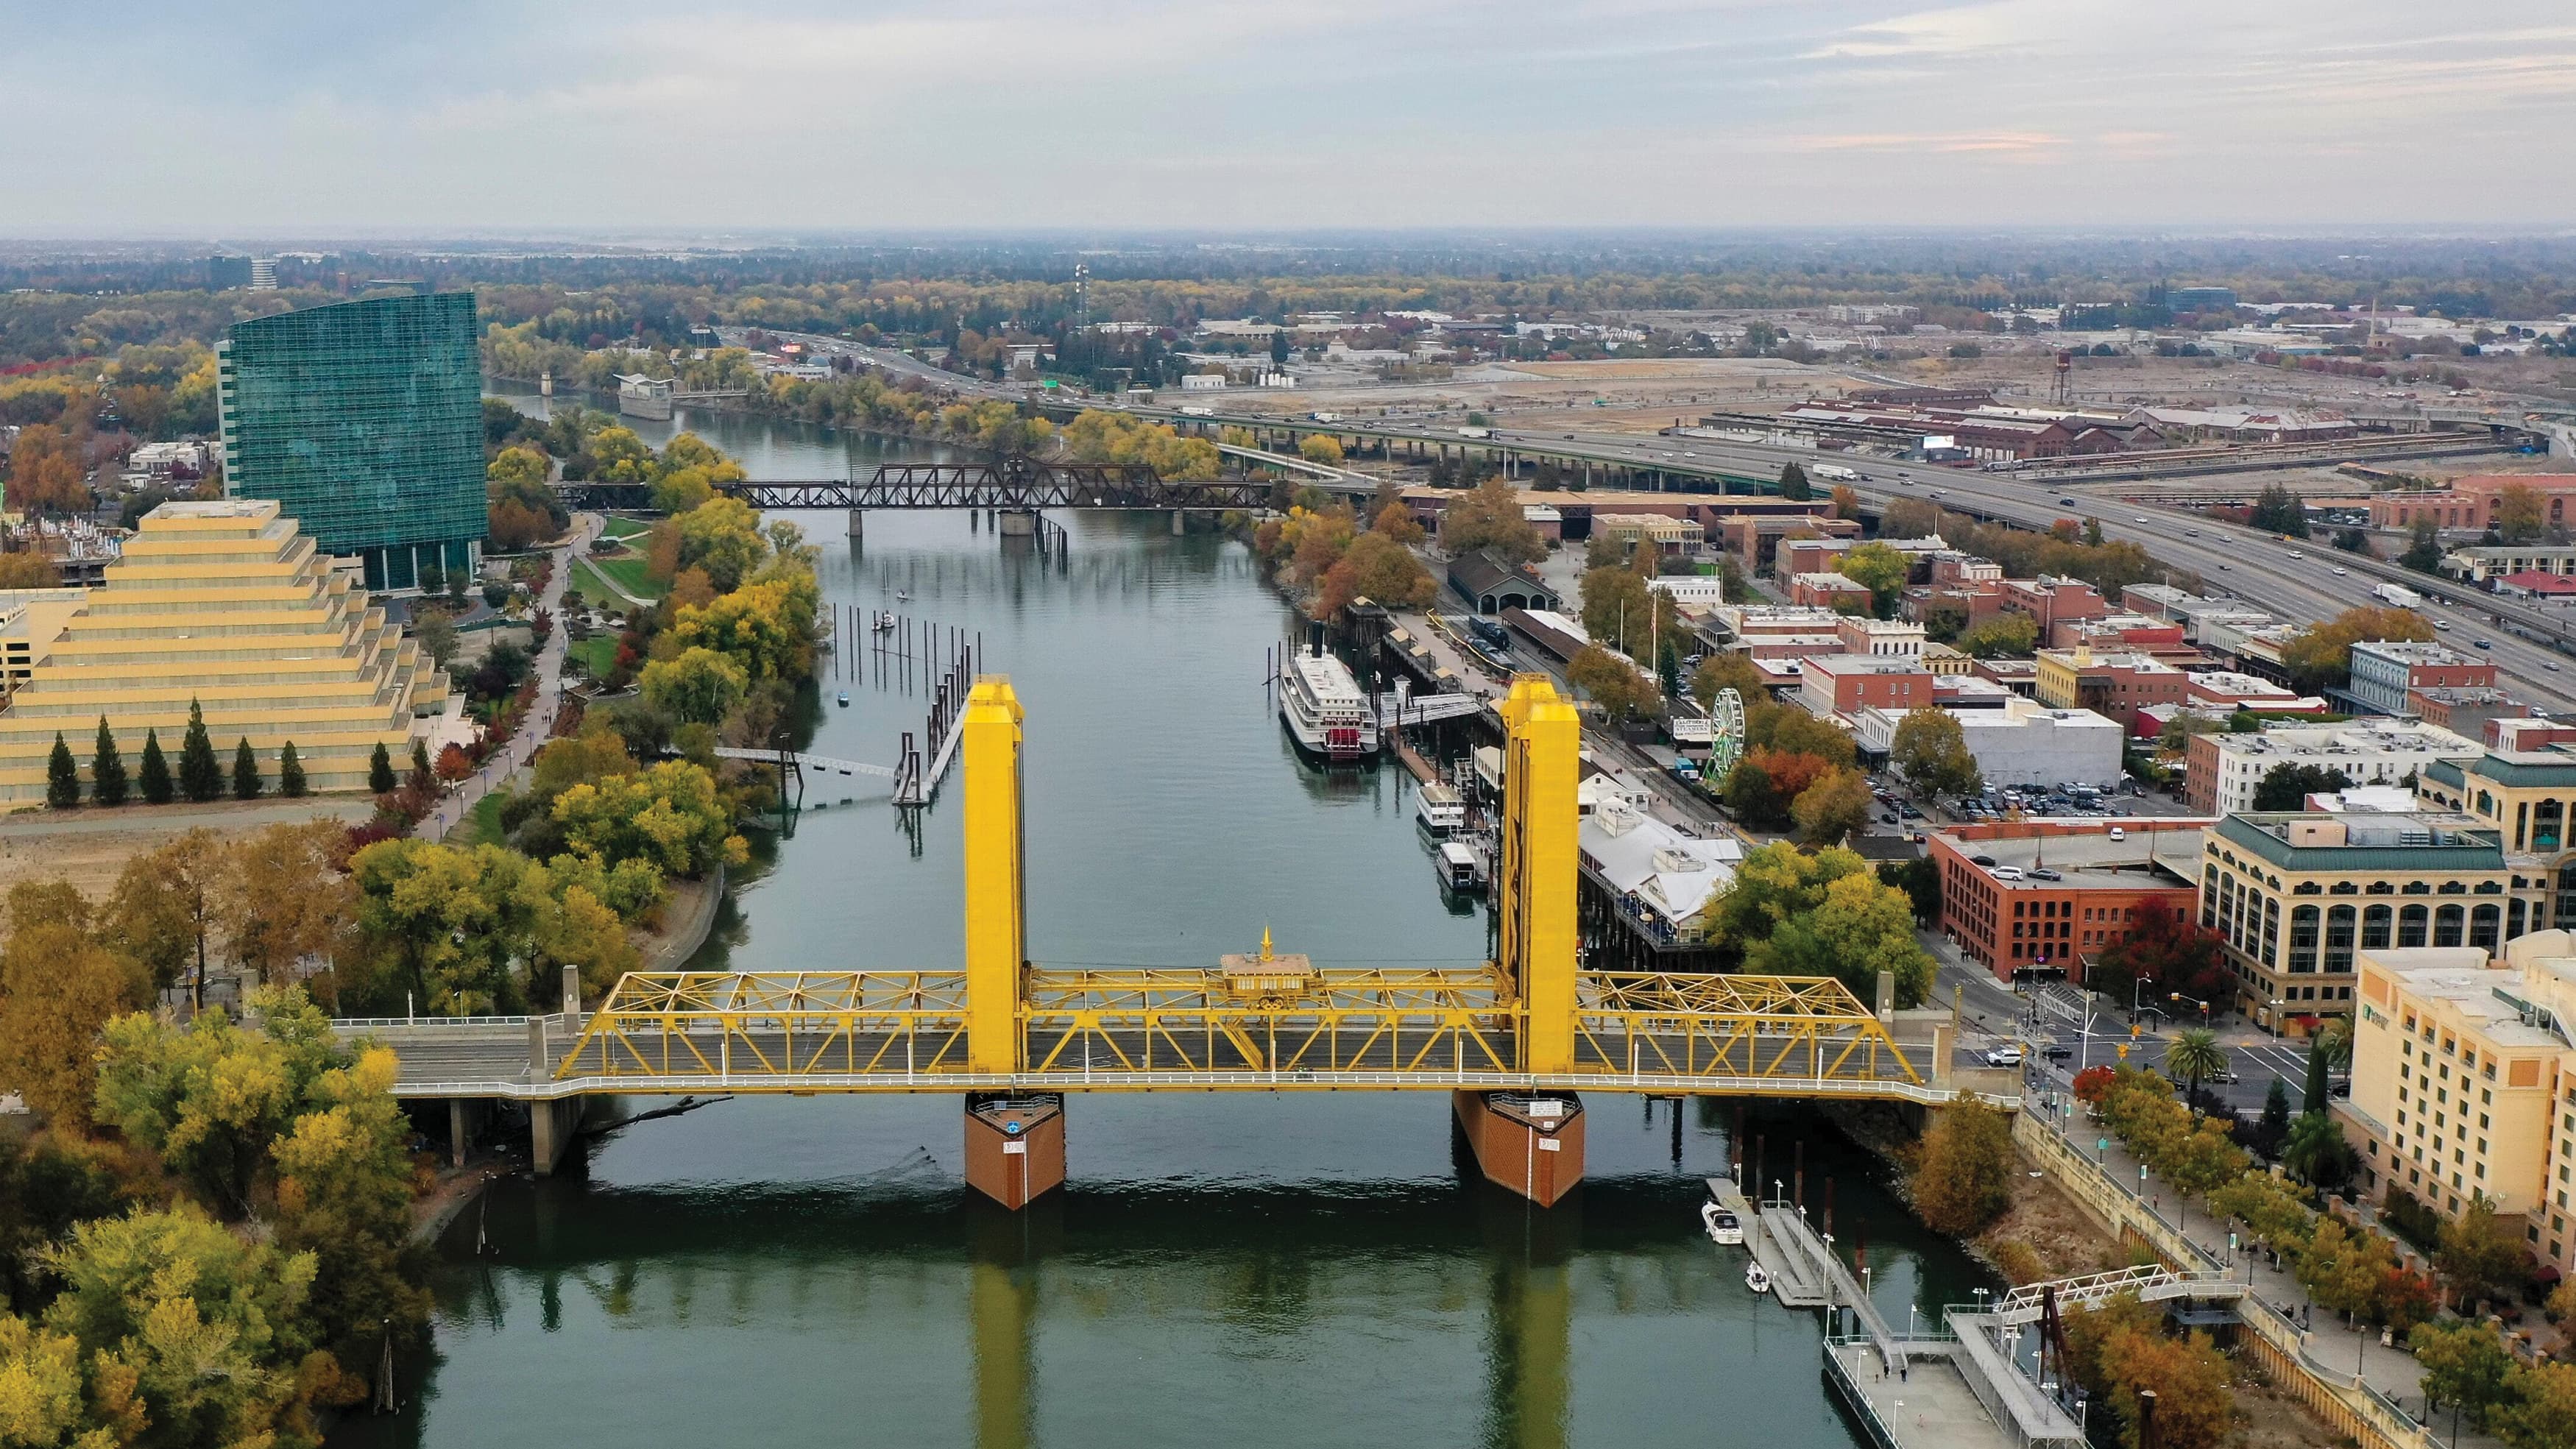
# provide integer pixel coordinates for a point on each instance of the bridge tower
(1532, 1145)
(1014, 1141)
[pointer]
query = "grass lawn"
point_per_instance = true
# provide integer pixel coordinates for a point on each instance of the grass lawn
(625, 528)
(628, 574)
(482, 823)
(598, 654)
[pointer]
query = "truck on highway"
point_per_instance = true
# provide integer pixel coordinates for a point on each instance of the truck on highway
(1835, 472)
(2398, 595)
(1475, 432)
(1324, 417)
(1198, 412)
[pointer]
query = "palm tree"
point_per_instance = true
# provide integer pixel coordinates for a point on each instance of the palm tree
(2317, 1151)
(2194, 1054)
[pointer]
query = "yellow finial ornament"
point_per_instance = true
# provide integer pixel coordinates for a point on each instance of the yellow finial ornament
(1265, 941)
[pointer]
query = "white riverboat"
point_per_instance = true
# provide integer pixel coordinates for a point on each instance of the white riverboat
(1323, 707)
(1440, 810)
(1461, 872)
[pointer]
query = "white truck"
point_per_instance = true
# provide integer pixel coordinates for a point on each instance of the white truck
(1198, 412)
(1475, 432)
(1325, 417)
(2398, 595)
(1835, 472)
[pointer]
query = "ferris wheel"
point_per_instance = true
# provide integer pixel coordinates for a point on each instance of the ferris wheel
(1725, 734)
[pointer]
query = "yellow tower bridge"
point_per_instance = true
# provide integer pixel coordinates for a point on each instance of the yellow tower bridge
(1516, 1040)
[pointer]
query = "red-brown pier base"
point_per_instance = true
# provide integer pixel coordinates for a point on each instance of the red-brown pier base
(1015, 1146)
(1530, 1143)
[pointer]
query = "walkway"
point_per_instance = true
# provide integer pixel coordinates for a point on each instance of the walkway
(538, 726)
(2332, 1348)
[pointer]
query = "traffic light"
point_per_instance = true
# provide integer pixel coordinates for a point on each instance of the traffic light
(2124, 1051)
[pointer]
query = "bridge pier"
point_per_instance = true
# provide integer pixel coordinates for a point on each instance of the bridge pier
(464, 1119)
(551, 1127)
(1017, 523)
(858, 525)
(1015, 1146)
(1178, 526)
(1531, 1145)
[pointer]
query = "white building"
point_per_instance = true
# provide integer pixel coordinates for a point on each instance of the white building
(1664, 879)
(2365, 752)
(1203, 382)
(2023, 743)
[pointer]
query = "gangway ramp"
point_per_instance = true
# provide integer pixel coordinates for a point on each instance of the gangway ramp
(2151, 1282)
(1805, 1273)
(819, 764)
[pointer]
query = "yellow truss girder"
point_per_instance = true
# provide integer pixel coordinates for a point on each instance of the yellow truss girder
(865, 1030)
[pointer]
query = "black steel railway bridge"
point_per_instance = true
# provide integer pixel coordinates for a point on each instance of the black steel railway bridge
(1010, 485)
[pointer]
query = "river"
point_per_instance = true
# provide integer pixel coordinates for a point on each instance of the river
(1221, 1269)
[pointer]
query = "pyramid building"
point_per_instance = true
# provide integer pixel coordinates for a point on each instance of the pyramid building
(226, 603)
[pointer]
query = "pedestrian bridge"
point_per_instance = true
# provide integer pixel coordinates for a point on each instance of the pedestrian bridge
(1532, 1022)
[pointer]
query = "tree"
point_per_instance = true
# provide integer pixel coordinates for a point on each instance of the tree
(380, 771)
(246, 782)
(2521, 516)
(444, 921)
(1320, 448)
(1489, 518)
(1963, 1175)
(57, 989)
(46, 472)
(1619, 609)
(2313, 1090)
(1877, 567)
(1825, 914)
(433, 581)
(2287, 786)
(157, 785)
(106, 768)
(290, 772)
(1930, 750)
(1375, 567)
(1752, 794)
(164, 904)
(1833, 809)
(1612, 683)
(287, 898)
(2278, 510)
(452, 764)
(669, 815)
(2321, 655)
(696, 686)
(2316, 1150)
(2195, 1056)
(200, 778)
(1793, 483)
(2342, 1270)
(2273, 1127)
(436, 631)
(1846, 502)
(62, 776)
(2465, 1364)
(2423, 545)
(2481, 1257)
(2003, 636)
(2539, 1411)
(1729, 670)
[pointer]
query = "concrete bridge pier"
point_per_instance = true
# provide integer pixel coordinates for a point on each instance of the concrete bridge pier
(551, 1128)
(464, 1118)
(1178, 526)
(1528, 1144)
(1017, 523)
(858, 525)
(1015, 1145)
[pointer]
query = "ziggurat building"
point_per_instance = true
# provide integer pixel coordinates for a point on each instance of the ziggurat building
(229, 604)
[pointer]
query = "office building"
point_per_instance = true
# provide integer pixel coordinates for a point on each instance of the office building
(2044, 896)
(364, 421)
(228, 604)
(2222, 771)
(2297, 894)
(2464, 1084)
(2385, 672)
(2014, 741)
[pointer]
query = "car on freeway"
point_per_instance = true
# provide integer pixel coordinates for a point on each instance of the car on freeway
(2552, 668)
(2191, 533)
(2057, 1051)
(2003, 1056)
(2141, 518)
(2442, 624)
(2068, 503)
(2483, 643)
(2227, 568)
(2294, 553)
(1904, 482)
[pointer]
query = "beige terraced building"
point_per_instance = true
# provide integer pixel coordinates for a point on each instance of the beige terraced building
(226, 603)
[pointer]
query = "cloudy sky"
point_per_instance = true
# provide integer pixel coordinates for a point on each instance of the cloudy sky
(296, 116)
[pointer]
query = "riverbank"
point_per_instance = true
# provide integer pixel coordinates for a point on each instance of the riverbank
(687, 917)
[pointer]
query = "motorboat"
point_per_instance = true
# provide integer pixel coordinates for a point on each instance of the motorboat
(1724, 1228)
(1460, 871)
(901, 597)
(883, 623)
(1757, 1278)
(845, 699)
(1439, 809)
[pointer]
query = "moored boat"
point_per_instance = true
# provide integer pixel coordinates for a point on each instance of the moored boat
(1323, 708)
(1724, 1228)
(1460, 870)
(1757, 1278)
(1439, 810)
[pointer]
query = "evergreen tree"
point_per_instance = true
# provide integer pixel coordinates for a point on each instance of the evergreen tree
(419, 757)
(2274, 1127)
(2312, 1093)
(200, 778)
(1793, 483)
(290, 773)
(380, 771)
(62, 776)
(106, 768)
(157, 787)
(245, 772)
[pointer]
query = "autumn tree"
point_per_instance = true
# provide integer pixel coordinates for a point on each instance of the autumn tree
(1612, 683)
(1833, 808)
(696, 686)
(670, 815)
(2321, 655)
(2480, 1256)
(46, 472)
(164, 907)
(26, 569)
(57, 989)
(1878, 568)
(1846, 502)
(1489, 518)
(1320, 448)
(1792, 913)
(2465, 1364)
(1724, 670)
(2005, 636)
(1930, 750)
(2520, 515)
(287, 898)
(2168, 954)
(1618, 609)
(1963, 1171)
(2539, 1408)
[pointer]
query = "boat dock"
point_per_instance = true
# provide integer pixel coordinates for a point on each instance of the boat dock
(1958, 1388)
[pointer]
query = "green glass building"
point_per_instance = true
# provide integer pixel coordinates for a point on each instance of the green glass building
(364, 420)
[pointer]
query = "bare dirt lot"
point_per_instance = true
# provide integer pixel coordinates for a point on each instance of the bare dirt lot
(89, 847)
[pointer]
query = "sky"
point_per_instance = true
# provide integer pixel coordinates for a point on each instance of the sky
(266, 118)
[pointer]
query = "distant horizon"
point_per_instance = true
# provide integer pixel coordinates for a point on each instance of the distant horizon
(289, 118)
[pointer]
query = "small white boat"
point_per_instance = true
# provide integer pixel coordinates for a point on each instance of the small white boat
(1460, 871)
(1723, 1227)
(883, 623)
(901, 597)
(1756, 1278)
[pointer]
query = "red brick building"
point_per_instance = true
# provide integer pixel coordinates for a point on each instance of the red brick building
(2001, 905)
(1840, 683)
(2472, 501)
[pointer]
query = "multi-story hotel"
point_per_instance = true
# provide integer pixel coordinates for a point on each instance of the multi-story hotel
(2464, 1083)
